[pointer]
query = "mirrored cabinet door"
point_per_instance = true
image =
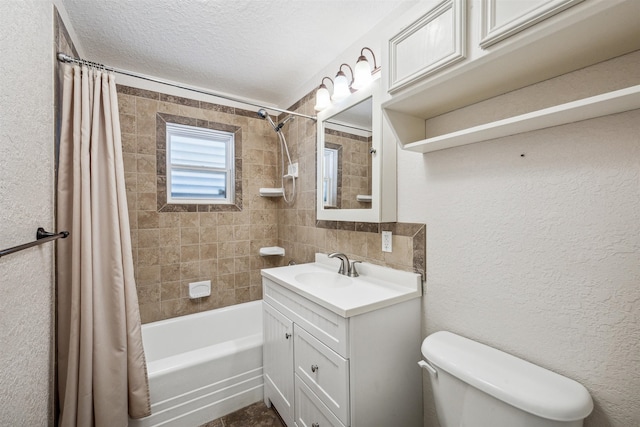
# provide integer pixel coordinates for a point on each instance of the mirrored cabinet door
(351, 161)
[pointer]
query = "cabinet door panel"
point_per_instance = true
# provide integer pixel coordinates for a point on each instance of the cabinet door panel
(324, 371)
(433, 42)
(278, 361)
(310, 411)
(503, 18)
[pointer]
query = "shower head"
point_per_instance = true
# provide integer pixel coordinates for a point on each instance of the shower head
(282, 123)
(262, 113)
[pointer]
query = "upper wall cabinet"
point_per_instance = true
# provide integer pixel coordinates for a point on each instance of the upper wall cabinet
(432, 43)
(510, 45)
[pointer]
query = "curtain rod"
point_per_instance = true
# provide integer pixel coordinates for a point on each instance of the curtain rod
(67, 59)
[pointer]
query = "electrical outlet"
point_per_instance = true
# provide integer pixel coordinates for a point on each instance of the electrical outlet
(386, 241)
(293, 170)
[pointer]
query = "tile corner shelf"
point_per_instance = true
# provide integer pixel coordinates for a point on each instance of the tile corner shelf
(588, 108)
(272, 251)
(271, 192)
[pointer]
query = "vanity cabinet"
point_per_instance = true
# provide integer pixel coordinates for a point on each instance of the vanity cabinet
(325, 370)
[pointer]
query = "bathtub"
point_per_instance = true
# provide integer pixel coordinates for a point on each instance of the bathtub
(203, 366)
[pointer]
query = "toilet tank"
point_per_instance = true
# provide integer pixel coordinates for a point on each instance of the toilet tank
(476, 385)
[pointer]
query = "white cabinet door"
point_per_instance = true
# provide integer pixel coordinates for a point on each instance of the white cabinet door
(503, 18)
(432, 43)
(278, 362)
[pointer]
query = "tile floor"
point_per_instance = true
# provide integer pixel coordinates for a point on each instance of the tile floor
(256, 415)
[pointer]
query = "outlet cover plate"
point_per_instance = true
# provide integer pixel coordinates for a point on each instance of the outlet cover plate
(386, 241)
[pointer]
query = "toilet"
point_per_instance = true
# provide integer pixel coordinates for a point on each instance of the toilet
(475, 385)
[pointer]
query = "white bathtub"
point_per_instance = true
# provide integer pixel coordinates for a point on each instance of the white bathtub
(203, 366)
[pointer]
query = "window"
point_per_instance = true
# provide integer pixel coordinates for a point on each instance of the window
(200, 165)
(330, 178)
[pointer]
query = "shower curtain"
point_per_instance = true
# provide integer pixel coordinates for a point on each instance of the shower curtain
(102, 374)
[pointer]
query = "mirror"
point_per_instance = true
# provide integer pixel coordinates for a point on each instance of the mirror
(350, 166)
(347, 163)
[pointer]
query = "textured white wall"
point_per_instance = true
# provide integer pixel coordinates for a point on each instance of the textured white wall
(26, 202)
(540, 255)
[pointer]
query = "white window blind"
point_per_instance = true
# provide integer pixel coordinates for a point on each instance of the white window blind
(199, 165)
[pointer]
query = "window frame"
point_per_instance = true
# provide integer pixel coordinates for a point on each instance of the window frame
(177, 129)
(162, 118)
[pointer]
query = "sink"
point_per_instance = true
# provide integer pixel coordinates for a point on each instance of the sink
(326, 280)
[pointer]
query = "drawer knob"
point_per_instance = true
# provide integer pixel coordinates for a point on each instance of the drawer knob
(314, 368)
(287, 335)
(315, 425)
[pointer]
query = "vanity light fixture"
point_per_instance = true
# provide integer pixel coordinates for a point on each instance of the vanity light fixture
(362, 74)
(341, 87)
(323, 98)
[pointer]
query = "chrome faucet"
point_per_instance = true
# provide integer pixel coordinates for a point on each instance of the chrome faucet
(345, 267)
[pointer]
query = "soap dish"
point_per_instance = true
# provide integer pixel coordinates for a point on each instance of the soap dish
(271, 251)
(200, 289)
(366, 198)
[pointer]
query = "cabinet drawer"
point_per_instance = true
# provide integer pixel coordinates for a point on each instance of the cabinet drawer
(324, 324)
(324, 371)
(310, 411)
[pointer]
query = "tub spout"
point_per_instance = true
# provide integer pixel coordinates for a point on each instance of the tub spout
(345, 267)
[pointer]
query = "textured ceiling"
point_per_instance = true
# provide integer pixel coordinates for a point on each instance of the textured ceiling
(261, 50)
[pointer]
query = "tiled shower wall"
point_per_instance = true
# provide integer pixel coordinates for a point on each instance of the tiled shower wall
(171, 249)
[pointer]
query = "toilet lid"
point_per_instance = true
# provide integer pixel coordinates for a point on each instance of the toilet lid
(517, 382)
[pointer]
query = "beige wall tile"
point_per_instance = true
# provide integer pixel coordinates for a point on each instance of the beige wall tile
(190, 253)
(170, 273)
(150, 312)
(189, 219)
(148, 238)
(169, 255)
(189, 236)
(148, 294)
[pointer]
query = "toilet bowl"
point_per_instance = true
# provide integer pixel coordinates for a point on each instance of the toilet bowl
(475, 385)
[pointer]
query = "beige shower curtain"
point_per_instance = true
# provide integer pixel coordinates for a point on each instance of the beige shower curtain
(101, 366)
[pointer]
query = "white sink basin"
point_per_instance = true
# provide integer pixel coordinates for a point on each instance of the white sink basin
(327, 280)
(319, 281)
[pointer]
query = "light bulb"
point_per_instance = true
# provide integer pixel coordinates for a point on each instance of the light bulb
(361, 73)
(323, 100)
(340, 87)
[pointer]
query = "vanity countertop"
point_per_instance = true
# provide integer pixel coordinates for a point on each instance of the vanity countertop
(375, 288)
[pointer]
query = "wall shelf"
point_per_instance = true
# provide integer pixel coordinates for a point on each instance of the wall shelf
(271, 192)
(588, 108)
(272, 251)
